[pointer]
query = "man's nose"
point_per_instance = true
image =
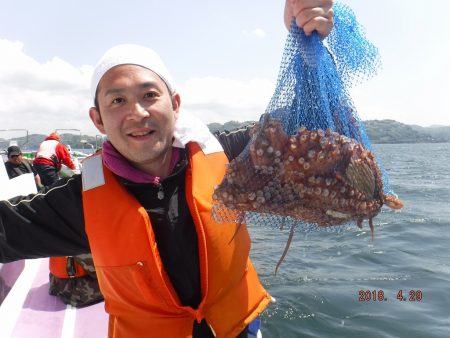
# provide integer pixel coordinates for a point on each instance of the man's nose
(139, 111)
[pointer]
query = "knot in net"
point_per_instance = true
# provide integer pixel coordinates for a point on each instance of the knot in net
(309, 160)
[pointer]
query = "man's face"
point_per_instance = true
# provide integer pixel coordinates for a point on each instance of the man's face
(15, 159)
(137, 113)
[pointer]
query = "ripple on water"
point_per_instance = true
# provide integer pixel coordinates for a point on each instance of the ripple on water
(318, 285)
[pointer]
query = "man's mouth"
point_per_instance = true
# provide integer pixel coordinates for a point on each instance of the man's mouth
(141, 133)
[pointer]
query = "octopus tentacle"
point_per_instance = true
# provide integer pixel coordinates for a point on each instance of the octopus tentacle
(372, 228)
(359, 222)
(240, 221)
(286, 248)
(283, 223)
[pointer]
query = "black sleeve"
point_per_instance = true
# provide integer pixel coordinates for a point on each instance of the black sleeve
(9, 170)
(44, 225)
(233, 142)
(33, 169)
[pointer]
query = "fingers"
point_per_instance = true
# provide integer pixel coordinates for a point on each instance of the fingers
(301, 5)
(322, 24)
(312, 15)
(288, 13)
(304, 16)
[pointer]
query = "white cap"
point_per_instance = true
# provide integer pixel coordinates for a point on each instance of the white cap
(128, 54)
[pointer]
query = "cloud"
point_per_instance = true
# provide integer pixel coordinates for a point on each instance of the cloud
(42, 97)
(256, 33)
(408, 92)
(54, 94)
(215, 99)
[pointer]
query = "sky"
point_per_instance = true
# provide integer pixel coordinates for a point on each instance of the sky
(223, 55)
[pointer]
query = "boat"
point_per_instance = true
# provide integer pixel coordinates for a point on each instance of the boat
(27, 309)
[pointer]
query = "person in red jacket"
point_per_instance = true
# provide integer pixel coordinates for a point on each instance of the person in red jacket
(78, 287)
(49, 158)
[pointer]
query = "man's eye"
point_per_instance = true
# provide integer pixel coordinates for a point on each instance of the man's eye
(150, 95)
(117, 100)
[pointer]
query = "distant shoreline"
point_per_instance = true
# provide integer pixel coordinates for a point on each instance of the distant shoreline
(378, 131)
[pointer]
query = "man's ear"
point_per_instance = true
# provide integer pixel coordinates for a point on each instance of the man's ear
(176, 102)
(96, 118)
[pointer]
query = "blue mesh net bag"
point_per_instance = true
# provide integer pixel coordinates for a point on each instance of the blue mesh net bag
(309, 161)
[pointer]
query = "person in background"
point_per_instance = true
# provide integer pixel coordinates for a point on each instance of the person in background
(17, 165)
(72, 278)
(143, 206)
(49, 158)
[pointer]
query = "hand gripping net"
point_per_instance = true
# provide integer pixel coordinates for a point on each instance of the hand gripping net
(309, 161)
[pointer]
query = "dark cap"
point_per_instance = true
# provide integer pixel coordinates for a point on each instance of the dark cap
(14, 150)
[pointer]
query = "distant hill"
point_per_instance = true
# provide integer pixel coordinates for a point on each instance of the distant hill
(435, 131)
(230, 125)
(390, 131)
(379, 131)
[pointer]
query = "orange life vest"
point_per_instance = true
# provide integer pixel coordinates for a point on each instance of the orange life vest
(66, 267)
(138, 294)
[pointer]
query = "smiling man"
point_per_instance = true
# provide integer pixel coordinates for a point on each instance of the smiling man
(143, 207)
(137, 110)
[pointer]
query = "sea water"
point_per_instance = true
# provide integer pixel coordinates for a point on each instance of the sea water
(343, 284)
(340, 283)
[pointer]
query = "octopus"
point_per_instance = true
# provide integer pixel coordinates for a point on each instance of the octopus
(315, 176)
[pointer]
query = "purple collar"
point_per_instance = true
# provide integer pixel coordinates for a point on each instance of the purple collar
(120, 166)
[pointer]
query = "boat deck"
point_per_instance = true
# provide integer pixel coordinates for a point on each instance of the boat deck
(27, 310)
